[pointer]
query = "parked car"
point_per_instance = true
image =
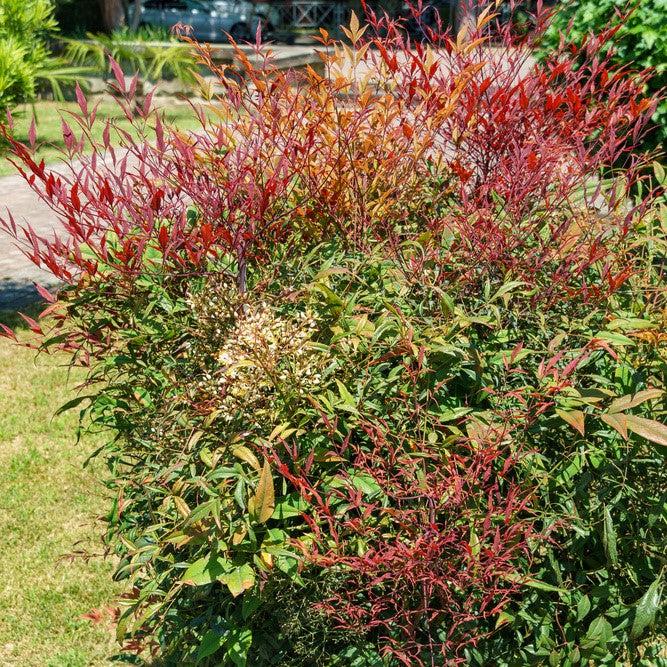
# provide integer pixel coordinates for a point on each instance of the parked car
(210, 21)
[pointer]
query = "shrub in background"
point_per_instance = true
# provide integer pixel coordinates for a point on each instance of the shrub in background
(26, 61)
(381, 353)
(641, 42)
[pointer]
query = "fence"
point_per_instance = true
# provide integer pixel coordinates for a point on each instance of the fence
(312, 14)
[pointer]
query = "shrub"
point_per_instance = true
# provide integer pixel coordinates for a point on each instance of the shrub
(26, 26)
(641, 42)
(381, 353)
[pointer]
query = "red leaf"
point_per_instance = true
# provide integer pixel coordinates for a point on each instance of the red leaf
(81, 99)
(32, 134)
(6, 332)
(32, 324)
(118, 75)
(44, 293)
(163, 237)
(74, 197)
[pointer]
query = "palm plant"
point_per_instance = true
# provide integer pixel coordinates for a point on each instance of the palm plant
(152, 52)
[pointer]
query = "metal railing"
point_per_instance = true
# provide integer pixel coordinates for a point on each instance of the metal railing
(312, 14)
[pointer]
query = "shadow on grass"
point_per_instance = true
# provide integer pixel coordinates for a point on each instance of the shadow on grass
(12, 319)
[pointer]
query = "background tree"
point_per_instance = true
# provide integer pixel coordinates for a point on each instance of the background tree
(113, 13)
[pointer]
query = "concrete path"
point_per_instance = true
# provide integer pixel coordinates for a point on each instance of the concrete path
(17, 272)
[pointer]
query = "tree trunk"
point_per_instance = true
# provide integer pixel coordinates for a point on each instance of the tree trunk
(113, 14)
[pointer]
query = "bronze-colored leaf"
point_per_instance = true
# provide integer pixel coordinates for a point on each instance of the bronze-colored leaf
(618, 423)
(263, 502)
(648, 428)
(632, 400)
(245, 454)
(575, 418)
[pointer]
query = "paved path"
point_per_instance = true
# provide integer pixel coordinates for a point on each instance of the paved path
(17, 272)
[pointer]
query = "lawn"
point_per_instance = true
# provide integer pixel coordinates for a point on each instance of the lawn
(49, 130)
(48, 509)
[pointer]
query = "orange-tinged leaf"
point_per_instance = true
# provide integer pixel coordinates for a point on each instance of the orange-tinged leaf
(354, 24)
(240, 579)
(618, 422)
(632, 400)
(239, 535)
(182, 507)
(648, 428)
(263, 502)
(242, 452)
(575, 418)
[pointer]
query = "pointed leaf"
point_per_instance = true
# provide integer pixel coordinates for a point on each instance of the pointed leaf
(118, 75)
(646, 609)
(181, 507)
(238, 643)
(263, 502)
(574, 418)
(609, 538)
(81, 99)
(245, 454)
(618, 422)
(210, 643)
(583, 607)
(346, 396)
(599, 633)
(633, 400)
(648, 428)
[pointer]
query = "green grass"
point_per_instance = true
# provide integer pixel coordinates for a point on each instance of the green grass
(49, 130)
(48, 509)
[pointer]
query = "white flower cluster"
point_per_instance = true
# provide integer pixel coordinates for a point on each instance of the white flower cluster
(263, 361)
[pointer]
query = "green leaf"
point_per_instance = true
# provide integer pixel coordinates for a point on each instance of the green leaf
(73, 403)
(286, 509)
(205, 570)
(263, 502)
(210, 643)
(616, 339)
(583, 607)
(503, 619)
(240, 579)
(599, 633)
(249, 605)
(646, 609)
(366, 484)
(536, 583)
(506, 289)
(609, 538)
(237, 644)
(346, 396)
(630, 324)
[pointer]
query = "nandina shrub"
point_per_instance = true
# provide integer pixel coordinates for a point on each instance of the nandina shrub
(379, 353)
